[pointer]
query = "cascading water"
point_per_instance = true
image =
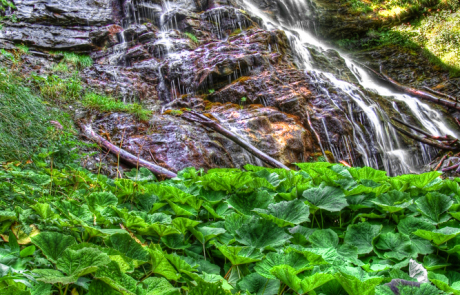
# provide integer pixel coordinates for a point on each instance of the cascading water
(380, 147)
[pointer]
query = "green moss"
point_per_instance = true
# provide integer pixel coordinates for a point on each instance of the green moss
(109, 104)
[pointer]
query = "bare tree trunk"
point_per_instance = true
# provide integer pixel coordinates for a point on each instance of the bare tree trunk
(196, 117)
(126, 156)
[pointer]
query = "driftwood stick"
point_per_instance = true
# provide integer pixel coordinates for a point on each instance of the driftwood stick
(424, 140)
(440, 163)
(128, 157)
(196, 117)
(440, 93)
(451, 168)
(415, 92)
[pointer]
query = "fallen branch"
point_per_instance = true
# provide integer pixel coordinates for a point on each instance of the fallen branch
(440, 93)
(415, 92)
(126, 156)
(449, 139)
(440, 163)
(199, 118)
(424, 140)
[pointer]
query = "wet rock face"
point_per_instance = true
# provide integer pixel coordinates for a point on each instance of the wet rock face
(208, 56)
(65, 12)
(176, 144)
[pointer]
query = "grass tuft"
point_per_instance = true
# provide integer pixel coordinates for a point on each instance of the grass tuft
(109, 104)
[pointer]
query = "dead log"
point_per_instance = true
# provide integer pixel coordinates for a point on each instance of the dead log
(415, 92)
(199, 118)
(126, 156)
(424, 140)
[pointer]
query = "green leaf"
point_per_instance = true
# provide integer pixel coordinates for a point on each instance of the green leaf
(398, 245)
(115, 278)
(438, 236)
(434, 207)
(362, 235)
(442, 282)
(287, 275)
(433, 262)
(159, 286)
(368, 173)
(53, 244)
(419, 180)
(357, 281)
(258, 285)
(261, 233)
(423, 289)
(240, 255)
(286, 213)
(127, 246)
(326, 197)
(204, 233)
(7, 215)
(81, 262)
(142, 175)
(235, 221)
(160, 264)
(324, 238)
(183, 224)
(246, 202)
(98, 287)
(409, 225)
(393, 201)
(101, 200)
(295, 260)
(176, 242)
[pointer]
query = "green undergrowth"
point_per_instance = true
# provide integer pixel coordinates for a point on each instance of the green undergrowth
(324, 229)
(30, 126)
(435, 34)
(388, 8)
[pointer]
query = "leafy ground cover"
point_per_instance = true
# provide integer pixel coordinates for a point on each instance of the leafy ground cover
(325, 229)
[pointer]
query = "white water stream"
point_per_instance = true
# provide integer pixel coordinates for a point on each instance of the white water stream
(380, 147)
(394, 156)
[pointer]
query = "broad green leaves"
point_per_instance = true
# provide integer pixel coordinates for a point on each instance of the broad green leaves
(327, 229)
(326, 197)
(53, 244)
(362, 235)
(286, 213)
(434, 206)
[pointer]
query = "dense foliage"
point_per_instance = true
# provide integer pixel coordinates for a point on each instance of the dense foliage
(325, 229)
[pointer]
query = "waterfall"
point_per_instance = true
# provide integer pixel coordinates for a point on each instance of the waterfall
(381, 147)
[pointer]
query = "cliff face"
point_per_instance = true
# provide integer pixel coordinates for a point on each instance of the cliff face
(215, 57)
